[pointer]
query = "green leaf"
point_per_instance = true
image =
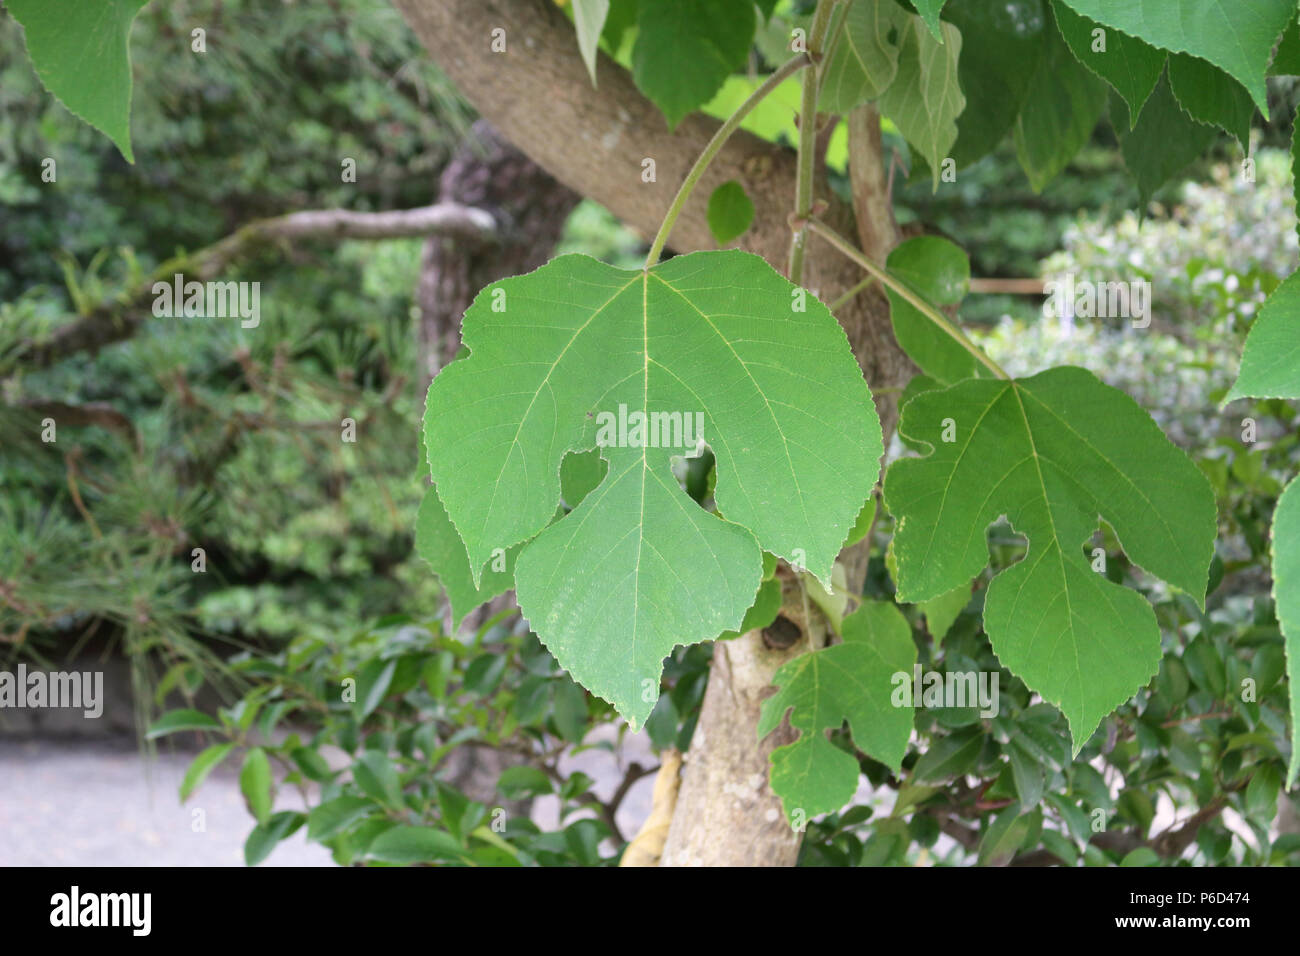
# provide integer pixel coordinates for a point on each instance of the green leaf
(255, 784)
(372, 684)
(523, 781)
(716, 338)
(940, 272)
(415, 845)
(203, 765)
(929, 11)
(265, 837)
(941, 612)
(949, 757)
(437, 542)
(334, 816)
(1286, 61)
(1052, 453)
(589, 19)
(730, 212)
(1212, 96)
(767, 605)
(685, 49)
(1162, 142)
(375, 774)
(1236, 37)
(81, 52)
(1131, 66)
(178, 720)
(925, 98)
(1286, 594)
(865, 60)
(1027, 773)
(1270, 362)
(852, 681)
(1064, 103)
(1002, 46)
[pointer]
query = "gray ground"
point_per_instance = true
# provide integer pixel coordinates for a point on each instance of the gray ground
(99, 802)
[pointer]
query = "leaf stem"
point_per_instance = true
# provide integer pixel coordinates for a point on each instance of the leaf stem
(785, 70)
(849, 296)
(911, 297)
(803, 190)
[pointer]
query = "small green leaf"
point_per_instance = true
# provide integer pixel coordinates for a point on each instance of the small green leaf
(81, 52)
(853, 681)
(523, 781)
(730, 212)
(940, 272)
(203, 765)
(949, 757)
(255, 784)
(372, 685)
(406, 845)
(334, 816)
(312, 764)
(178, 720)
(375, 774)
(265, 837)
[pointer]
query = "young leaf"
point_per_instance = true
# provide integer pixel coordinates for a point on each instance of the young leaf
(851, 681)
(1286, 594)
(685, 49)
(717, 338)
(81, 52)
(1064, 103)
(1236, 37)
(1270, 363)
(1052, 453)
(1126, 63)
(925, 99)
(589, 19)
(203, 765)
(865, 60)
(730, 212)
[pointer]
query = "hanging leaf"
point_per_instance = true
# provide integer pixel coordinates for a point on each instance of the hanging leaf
(1126, 63)
(864, 62)
(1221, 31)
(588, 20)
(81, 53)
(1053, 453)
(925, 98)
(1270, 363)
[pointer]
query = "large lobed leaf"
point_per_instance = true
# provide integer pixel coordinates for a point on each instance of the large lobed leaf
(1051, 452)
(638, 568)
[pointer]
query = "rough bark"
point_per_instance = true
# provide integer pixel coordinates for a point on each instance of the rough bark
(539, 95)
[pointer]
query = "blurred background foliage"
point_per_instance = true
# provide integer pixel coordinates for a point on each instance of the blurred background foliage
(229, 440)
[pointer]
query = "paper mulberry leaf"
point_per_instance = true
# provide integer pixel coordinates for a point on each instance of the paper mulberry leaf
(80, 51)
(557, 358)
(865, 59)
(1053, 453)
(852, 681)
(925, 98)
(437, 542)
(1270, 363)
(1236, 37)
(1125, 62)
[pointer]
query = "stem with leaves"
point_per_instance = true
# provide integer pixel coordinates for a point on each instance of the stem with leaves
(907, 294)
(787, 69)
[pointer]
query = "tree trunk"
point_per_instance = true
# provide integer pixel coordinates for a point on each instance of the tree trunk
(538, 94)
